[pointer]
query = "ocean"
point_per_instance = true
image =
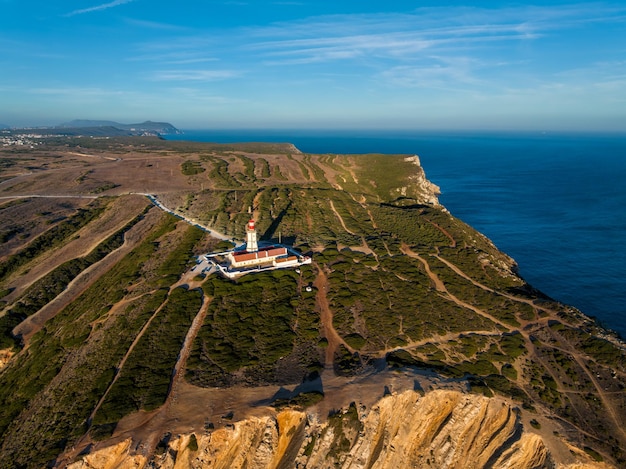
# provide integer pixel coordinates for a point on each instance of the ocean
(555, 202)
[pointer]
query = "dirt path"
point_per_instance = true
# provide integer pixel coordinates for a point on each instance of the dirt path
(256, 203)
(441, 288)
(192, 333)
(94, 156)
(152, 430)
(332, 206)
(211, 231)
(85, 279)
(606, 401)
(326, 318)
(151, 426)
(117, 214)
(459, 272)
(436, 339)
(120, 366)
(444, 231)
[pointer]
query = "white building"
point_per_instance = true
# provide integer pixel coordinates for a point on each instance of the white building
(251, 242)
(254, 259)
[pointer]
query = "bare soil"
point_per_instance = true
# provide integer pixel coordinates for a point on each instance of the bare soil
(121, 212)
(85, 279)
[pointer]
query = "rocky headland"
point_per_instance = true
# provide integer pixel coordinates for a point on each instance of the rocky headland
(410, 341)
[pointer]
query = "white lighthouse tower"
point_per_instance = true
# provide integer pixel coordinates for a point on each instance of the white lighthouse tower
(251, 243)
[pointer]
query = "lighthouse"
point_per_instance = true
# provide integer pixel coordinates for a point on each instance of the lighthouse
(251, 243)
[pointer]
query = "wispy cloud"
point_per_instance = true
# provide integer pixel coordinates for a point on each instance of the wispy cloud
(391, 36)
(103, 6)
(77, 92)
(200, 95)
(174, 58)
(435, 73)
(194, 75)
(435, 47)
(155, 25)
(400, 35)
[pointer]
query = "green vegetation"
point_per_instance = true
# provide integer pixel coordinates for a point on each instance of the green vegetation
(258, 327)
(220, 174)
(104, 187)
(248, 175)
(402, 309)
(276, 173)
(346, 427)
(191, 168)
(52, 238)
(9, 233)
(265, 168)
(52, 284)
(318, 173)
(145, 379)
(388, 177)
(193, 443)
(380, 256)
(179, 258)
(598, 348)
(300, 401)
(303, 169)
(91, 325)
(594, 454)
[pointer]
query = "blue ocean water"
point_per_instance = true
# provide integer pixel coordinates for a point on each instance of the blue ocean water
(556, 203)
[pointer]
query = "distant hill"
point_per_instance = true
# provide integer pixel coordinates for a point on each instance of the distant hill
(147, 127)
(2, 126)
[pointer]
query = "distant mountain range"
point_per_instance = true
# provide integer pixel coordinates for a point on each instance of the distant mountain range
(2, 126)
(148, 127)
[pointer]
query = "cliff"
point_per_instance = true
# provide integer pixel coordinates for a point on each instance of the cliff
(424, 190)
(442, 429)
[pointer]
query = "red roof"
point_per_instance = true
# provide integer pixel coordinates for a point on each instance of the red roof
(245, 256)
(264, 254)
(277, 252)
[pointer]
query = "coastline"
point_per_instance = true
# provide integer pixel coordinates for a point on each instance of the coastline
(548, 200)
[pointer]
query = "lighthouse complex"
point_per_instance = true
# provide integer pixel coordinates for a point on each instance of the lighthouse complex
(254, 258)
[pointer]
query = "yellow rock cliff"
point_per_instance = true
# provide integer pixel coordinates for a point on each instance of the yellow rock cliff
(442, 429)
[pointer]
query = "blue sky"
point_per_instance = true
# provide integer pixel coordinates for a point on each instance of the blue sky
(315, 64)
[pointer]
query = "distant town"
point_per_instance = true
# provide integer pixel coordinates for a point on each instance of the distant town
(29, 140)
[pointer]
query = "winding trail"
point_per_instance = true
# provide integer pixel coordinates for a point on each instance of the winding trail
(326, 317)
(441, 288)
(444, 232)
(120, 366)
(606, 402)
(151, 431)
(159, 204)
(32, 324)
(437, 339)
(460, 273)
(332, 206)
(153, 424)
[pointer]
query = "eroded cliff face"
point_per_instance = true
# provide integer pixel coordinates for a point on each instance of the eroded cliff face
(442, 429)
(424, 190)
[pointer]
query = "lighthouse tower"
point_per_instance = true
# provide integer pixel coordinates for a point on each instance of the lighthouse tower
(251, 243)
